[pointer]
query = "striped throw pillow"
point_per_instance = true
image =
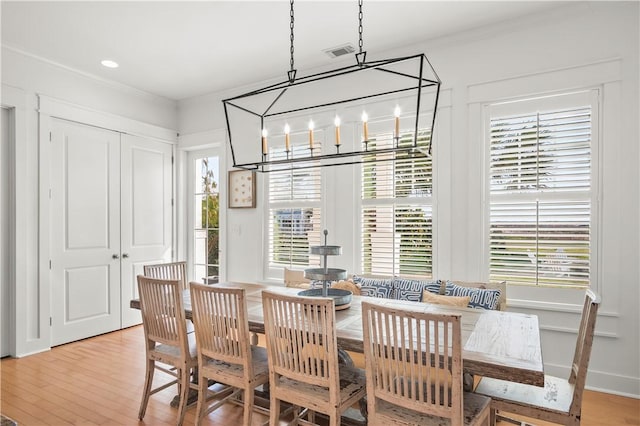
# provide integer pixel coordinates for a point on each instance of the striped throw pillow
(375, 287)
(481, 298)
(407, 289)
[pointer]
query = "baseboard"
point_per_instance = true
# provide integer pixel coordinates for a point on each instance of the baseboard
(602, 381)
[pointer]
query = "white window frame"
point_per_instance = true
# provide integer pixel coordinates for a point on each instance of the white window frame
(557, 100)
(273, 272)
(216, 151)
(382, 127)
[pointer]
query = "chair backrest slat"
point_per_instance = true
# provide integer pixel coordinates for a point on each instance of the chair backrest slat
(168, 271)
(163, 316)
(584, 343)
(301, 339)
(414, 359)
(220, 320)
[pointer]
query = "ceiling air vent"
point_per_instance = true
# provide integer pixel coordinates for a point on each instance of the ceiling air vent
(344, 49)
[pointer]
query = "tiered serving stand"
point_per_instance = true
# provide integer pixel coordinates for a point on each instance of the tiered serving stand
(326, 275)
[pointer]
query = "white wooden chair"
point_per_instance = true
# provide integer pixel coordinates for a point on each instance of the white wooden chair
(413, 362)
(168, 271)
(224, 352)
(167, 341)
(303, 359)
(560, 400)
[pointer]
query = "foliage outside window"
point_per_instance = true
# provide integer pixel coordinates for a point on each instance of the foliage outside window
(207, 222)
(294, 220)
(540, 188)
(397, 219)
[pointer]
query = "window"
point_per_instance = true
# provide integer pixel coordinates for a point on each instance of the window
(294, 214)
(206, 225)
(397, 210)
(541, 190)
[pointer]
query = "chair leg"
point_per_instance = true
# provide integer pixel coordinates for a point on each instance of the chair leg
(248, 405)
(202, 398)
(274, 411)
(148, 381)
(492, 417)
(184, 393)
(334, 418)
(296, 415)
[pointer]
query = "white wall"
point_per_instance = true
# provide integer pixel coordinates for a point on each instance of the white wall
(24, 79)
(522, 58)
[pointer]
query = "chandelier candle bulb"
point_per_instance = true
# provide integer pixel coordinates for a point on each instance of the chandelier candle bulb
(365, 127)
(310, 134)
(397, 114)
(287, 141)
(337, 123)
(264, 142)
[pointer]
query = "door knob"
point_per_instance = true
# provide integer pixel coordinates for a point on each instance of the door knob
(115, 256)
(125, 255)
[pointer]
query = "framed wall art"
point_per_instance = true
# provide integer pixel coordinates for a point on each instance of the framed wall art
(242, 189)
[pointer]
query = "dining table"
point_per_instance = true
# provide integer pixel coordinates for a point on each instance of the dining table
(499, 344)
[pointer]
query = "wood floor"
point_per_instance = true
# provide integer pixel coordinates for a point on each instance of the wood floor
(98, 381)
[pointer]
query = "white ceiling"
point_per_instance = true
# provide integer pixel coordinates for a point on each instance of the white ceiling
(182, 49)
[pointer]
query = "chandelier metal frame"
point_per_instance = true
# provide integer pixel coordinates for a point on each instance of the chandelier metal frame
(389, 67)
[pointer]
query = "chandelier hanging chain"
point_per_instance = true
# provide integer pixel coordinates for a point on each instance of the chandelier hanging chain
(292, 71)
(291, 36)
(360, 43)
(361, 56)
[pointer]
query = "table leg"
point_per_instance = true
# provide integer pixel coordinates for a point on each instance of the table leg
(345, 359)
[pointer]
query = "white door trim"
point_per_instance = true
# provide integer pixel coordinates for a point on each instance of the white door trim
(28, 333)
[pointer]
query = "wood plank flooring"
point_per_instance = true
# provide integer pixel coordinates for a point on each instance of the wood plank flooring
(98, 381)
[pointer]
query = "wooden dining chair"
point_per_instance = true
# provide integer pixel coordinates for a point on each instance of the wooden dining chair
(413, 362)
(303, 359)
(168, 271)
(224, 352)
(560, 400)
(166, 338)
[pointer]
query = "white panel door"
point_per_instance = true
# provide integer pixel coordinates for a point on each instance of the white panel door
(85, 231)
(5, 320)
(146, 213)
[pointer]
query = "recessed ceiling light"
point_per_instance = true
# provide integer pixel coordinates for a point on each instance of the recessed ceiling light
(109, 63)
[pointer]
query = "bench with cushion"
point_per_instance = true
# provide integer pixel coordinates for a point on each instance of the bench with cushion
(482, 295)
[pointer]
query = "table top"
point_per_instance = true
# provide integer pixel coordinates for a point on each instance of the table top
(499, 344)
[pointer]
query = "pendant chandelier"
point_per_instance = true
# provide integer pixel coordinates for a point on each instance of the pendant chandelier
(367, 112)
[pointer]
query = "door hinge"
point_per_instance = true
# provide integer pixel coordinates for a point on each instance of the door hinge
(50, 321)
(49, 136)
(49, 193)
(49, 264)
(172, 202)
(172, 160)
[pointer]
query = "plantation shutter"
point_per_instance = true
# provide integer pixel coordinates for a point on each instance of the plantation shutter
(294, 213)
(396, 210)
(540, 194)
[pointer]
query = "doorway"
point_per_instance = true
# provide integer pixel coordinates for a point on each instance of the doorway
(205, 183)
(110, 213)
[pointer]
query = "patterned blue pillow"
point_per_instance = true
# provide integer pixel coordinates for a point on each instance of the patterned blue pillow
(412, 289)
(375, 287)
(482, 298)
